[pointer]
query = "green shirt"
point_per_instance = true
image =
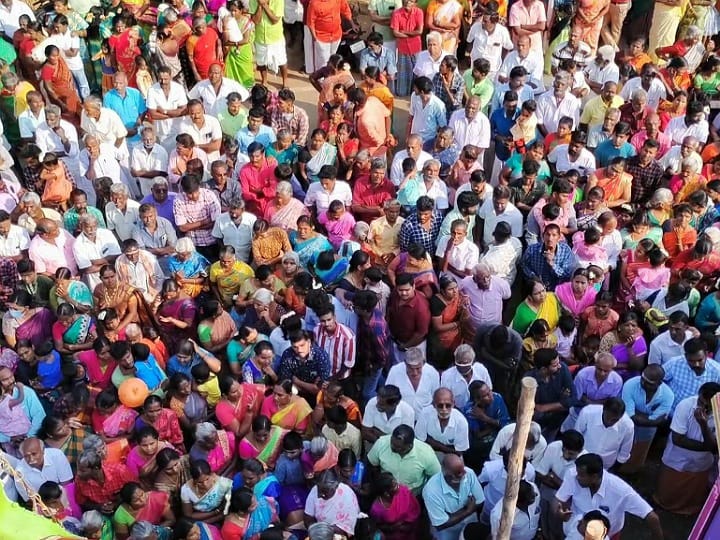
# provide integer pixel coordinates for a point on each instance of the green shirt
(384, 8)
(484, 89)
(230, 124)
(413, 469)
(267, 33)
(71, 219)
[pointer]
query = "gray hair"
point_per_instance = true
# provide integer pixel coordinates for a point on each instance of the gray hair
(690, 164)
(463, 352)
(185, 245)
(661, 195)
(120, 189)
(87, 219)
(391, 203)
(612, 111)
(458, 223)
(321, 531)
(236, 202)
(318, 446)
(431, 162)
(362, 155)
(414, 357)
(639, 94)
(693, 31)
(160, 181)
(606, 356)
(91, 519)
(377, 163)
(328, 478)
(447, 130)
(142, 530)
(89, 458)
(31, 197)
(291, 256)
(93, 442)
(284, 187)
(433, 36)
(264, 296)
(361, 230)
(481, 267)
(204, 430)
(283, 133)
(9, 79)
(563, 77)
(94, 101)
(52, 109)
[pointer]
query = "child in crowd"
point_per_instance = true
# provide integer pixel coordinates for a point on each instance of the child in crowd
(51, 494)
(588, 249)
(565, 333)
(208, 385)
(338, 431)
(599, 319)
(374, 282)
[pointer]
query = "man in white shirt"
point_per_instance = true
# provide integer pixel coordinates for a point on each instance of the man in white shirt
(10, 11)
(14, 240)
(213, 101)
(589, 487)
(672, 161)
(496, 209)
(60, 137)
(464, 371)
(235, 228)
(534, 449)
(414, 150)
(490, 40)
(93, 249)
(416, 379)
(166, 103)
(105, 125)
(457, 255)
(40, 465)
(526, 520)
(556, 103)
(140, 269)
(385, 412)
(669, 344)
(602, 69)
(148, 161)
(328, 189)
(470, 126)
(33, 116)
(648, 81)
(443, 426)
(692, 124)
(493, 479)
(503, 253)
(607, 430)
(573, 156)
(203, 128)
(528, 58)
(122, 213)
(98, 160)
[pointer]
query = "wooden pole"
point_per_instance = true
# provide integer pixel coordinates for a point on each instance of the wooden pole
(525, 410)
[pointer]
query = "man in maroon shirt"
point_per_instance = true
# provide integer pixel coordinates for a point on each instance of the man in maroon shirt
(408, 316)
(371, 191)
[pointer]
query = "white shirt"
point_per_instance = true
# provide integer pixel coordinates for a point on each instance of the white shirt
(664, 348)
(614, 495)
(503, 258)
(155, 160)
(585, 162)
(425, 66)
(611, 443)
(511, 215)
(123, 223)
(677, 130)
(85, 251)
(504, 441)
(459, 385)
(48, 141)
(489, 46)
(10, 17)
(65, 42)
(455, 433)
(524, 525)
(176, 98)
(237, 235)
(56, 468)
(214, 102)
(16, 241)
(138, 276)
(28, 122)
(654, 95)
(424, 115)
(494, 477)
(549, 111)
(420, 398)
(553, 461)
(475, 131)
(533, 64)
(321, 199)
(601, 75)
(396, 174)
(107, 129)
(672, 160)
(105, 165)
(404, 415)
(210, 131)
(438, 192)
(684, 423)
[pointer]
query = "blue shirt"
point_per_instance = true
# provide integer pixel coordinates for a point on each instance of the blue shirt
(497, 410)
(441, 500)
(684, 382)
(426, 119)
(411, 232)
(500, 125)
(129, 109)
(606, 151)
(534, 264)
(50, 373)
(176, 366)
(149, 371)
(635, 398)
(385, 61)
(165, 208)
(265, 136)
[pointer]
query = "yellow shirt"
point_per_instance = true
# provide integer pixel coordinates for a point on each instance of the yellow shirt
(211, 390)
(383, 237)
(595, 109)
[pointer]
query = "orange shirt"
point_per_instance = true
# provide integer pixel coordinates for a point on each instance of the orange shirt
(370, 122)
(324, 17)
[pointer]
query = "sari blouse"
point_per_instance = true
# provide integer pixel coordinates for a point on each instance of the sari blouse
(295, 416)
(610, 342)
(219, 456)
(120, 421)
(403, 509)
(308, 249)
(570, 303)
(285, 217)
(525, 315)
(167, 426)
(249, 527)
(152, 511)
(249, 403)
(216, 497)
(268, 454)
(675, 243)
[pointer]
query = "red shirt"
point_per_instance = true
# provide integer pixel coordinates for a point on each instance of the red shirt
(324, 17)
(368, 195)
(253, 180)
(403, 20)
(116, 476)
(408, 319)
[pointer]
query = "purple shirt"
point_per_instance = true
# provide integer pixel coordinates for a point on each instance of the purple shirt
(164, 209)
(586, 384)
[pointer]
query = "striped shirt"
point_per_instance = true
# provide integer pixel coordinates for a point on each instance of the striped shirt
(340, 347)
(206, 207)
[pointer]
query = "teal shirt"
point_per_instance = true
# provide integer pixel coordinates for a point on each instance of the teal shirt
(71, 219)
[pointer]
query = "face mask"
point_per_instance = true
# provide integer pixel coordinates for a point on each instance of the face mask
(15, 313)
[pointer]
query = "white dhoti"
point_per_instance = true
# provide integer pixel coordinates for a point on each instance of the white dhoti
(317, 53)
(271, 56)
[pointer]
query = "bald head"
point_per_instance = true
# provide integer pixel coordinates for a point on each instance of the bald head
(442, 394)
(32, 451)
(453, 469)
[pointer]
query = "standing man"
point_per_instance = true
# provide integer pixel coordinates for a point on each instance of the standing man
(485, 294)
(129, 104)
(407, 27)
(376, 354)
(148, 161)
(122, 212)
(408, 315)
(93, 249)
(337, 340)
(196, 209)
(204, 129)
(269, 38)
(471, 126)
(323, 30)
(235, 228)
(527, 18)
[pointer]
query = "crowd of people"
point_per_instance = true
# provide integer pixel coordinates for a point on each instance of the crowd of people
(226, 317)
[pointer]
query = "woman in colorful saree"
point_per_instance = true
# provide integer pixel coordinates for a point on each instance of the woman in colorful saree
(284, 210)
(204, 495)
(627, 345)
(314, 156)
(140, 505)
(416, 262)
(249, 515)
(141, 459)
(678, 233)
(448, 311)
(164, 420)
(614, 181)
(175, 314)
(306, 242)
(58, 86)
(239, 404)
(127, 301)
(21, 321)
(700, 257)
(98, 363)
(538, 304)
(173, 471)
(254, 476)
(227, 276)
(576, 295)
(111, 419)
(238, 37)
(59, 434)
(125, 47)
(73, 332)
(204, 48)
(395, 510)
(263, 443)
(70, 291)
(629, 262)
(189, 406)
(214, 446)
(186, 529)
(188, 268)
(445, 17)
(286, 410)
(588, 18)
(216, 327)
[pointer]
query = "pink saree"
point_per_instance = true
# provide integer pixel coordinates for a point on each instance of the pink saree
(398, 521)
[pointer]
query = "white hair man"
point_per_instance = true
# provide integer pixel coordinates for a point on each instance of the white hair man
(416, 379)
(94, 248)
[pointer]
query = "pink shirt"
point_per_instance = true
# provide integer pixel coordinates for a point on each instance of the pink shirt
(48, 257)
(520, 14)
(663, 140)
(338, 230)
